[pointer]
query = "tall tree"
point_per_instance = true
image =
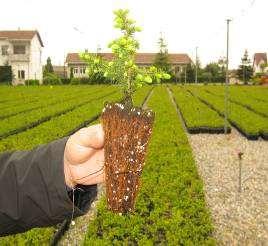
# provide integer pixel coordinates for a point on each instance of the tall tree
(245, 70)
(216, 71)
(161, 59)
(48, 67)
(190, 73)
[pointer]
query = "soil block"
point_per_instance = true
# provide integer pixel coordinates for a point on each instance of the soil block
(127, 131)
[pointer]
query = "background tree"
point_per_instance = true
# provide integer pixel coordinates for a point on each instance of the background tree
(245, 70)
(190, 73)
(216, 71)
(48, 67)
(206, 77)
(161, 58)
(222, 65)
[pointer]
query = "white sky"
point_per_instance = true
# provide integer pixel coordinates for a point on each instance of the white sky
(185, 24)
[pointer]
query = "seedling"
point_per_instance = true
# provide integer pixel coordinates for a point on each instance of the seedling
(127, 129)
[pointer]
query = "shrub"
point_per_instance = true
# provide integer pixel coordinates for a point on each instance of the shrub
(65, 81)
(32, 82)
(256, 81)
(5, 83)
(87, 81)
(52, 79)
(75, 81)
(5, 73)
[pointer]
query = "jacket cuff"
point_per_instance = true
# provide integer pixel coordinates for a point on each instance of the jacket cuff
(83, 195)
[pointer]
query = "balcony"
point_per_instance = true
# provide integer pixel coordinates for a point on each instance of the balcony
(19, 57)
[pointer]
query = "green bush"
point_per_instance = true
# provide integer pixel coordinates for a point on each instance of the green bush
(5, 73)
(87, 81)
(65, 81)
(5, 83)
(75, 81)
(32, 82)
(52, 79)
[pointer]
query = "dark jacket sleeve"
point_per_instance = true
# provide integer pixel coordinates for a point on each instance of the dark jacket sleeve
(33, 192)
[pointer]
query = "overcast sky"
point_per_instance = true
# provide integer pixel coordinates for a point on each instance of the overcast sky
(73, 25)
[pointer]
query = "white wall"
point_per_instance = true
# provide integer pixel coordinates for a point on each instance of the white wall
(79, 74)
(257, 68)
(32, 68)
(3, 59)
(36, 59)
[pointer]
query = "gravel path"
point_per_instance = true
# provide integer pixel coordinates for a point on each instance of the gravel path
(240, 218)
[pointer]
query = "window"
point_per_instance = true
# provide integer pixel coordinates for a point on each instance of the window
(19, 49)
(5, 50)
(21, 74)
(82, 70)
(75, 70)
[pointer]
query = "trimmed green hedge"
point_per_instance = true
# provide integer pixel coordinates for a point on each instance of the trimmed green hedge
(198, 116)
(170, 208)
(250, 124)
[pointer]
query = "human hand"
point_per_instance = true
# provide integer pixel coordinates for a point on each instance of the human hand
(84, 157)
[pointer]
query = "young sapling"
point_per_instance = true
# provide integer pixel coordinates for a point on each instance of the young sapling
(127, 129)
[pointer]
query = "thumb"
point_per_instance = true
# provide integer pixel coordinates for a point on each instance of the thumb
(92, 136)
(83, 144)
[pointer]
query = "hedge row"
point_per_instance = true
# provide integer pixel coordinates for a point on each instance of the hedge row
(198, 117)
(250, 124)
(170, 208)
(259, 93)
(14, 96)
(46, 100)
(243, 98)
(22, 122)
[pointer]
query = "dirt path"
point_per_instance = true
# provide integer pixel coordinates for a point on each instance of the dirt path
(240, 218)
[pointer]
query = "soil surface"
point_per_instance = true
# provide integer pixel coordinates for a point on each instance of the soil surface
(240, 218)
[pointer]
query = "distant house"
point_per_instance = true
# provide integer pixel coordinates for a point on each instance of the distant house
(258, 60)
(22, 50)
(74, 62)
(60, 71)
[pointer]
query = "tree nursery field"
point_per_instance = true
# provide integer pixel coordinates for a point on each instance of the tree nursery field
(171, 208)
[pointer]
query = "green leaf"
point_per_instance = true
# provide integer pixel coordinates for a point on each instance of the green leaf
(166, 76)
(148, 79)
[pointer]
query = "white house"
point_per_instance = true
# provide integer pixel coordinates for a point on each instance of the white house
(22, 50)
(258, 61)
(78, 66)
